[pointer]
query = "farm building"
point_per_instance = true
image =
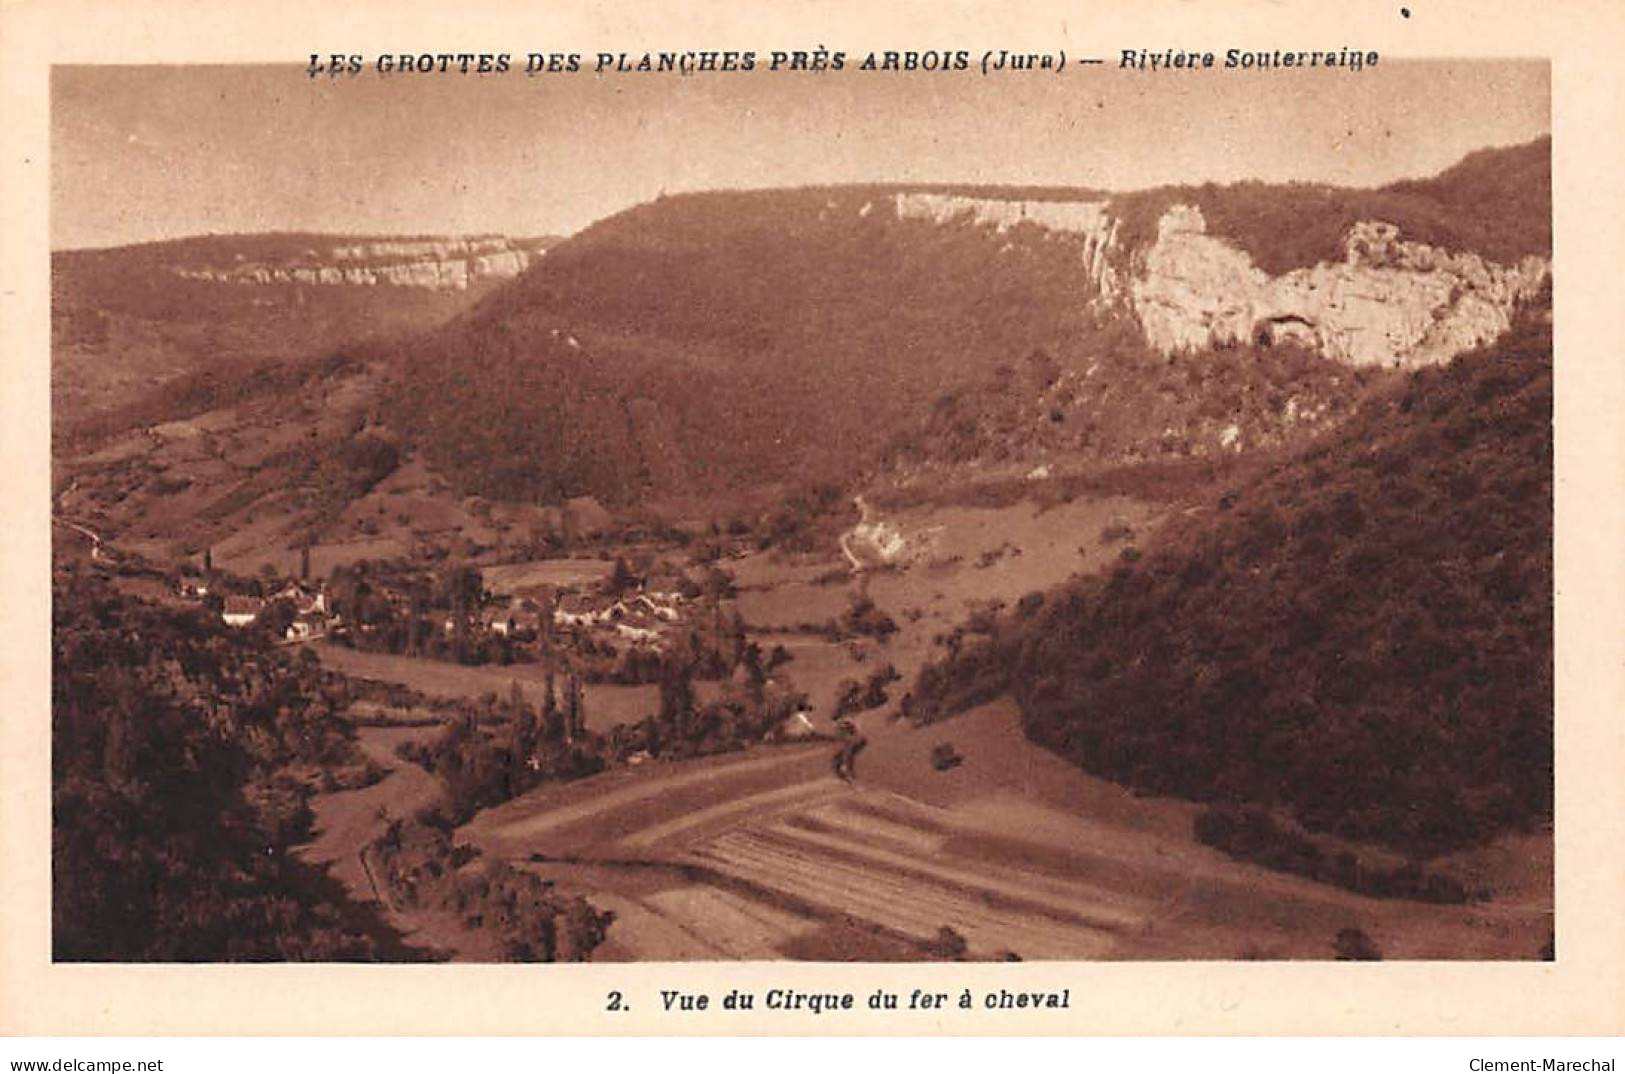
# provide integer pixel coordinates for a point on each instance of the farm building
(241, 611)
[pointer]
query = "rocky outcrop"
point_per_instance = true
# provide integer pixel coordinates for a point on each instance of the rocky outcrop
(435, 264)
(872, 542)
(1087, 222)
(1388, 302)
(420, 249)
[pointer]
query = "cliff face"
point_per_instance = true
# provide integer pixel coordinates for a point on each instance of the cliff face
(1087, 222)
(448, 264)
(1388, 302)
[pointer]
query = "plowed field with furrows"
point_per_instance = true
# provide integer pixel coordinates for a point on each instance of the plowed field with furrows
(755, 863)
(766, 855)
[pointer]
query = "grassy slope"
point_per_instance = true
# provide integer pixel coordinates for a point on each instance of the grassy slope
(727, 339)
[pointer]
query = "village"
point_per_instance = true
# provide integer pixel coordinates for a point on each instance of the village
(455, 613)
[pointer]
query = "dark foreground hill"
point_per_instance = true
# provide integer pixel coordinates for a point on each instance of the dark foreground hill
(172, 832)
(1362, 637)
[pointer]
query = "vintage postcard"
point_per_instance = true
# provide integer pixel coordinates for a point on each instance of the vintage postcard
(849, 519)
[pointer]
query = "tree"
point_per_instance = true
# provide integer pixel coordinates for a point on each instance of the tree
(755, 674)
(461, 588)
(547, 601)
(737, 640)
(552, 724)
(574, 709)
(417, 606)
(948, 944)
(1353, 945)
(676, 696)
(277, 616)
(522, 740)
(718, 584)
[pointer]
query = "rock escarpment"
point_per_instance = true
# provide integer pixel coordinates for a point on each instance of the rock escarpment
(442, 264)
(1388, 302)
(1088, 222)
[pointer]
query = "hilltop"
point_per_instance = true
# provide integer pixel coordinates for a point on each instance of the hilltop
(730, 350)
(717, 340)
(1496, 202)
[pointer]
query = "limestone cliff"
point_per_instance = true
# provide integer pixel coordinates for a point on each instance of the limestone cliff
(441, 264)
(1388, 302)
(1087, 222)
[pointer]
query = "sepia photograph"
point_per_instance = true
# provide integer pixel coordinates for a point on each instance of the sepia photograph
(803, 506)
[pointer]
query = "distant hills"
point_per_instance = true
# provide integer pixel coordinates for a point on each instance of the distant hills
(129, 323)
(711, 342)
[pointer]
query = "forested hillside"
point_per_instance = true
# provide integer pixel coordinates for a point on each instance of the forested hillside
(172, 818)
(707, 341)
(716, 340)
(1495, 202)
(126, 325)
(1363, 636)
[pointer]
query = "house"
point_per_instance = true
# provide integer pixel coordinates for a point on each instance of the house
(639, 618)
(304, 599)
(797, 725)
(241, 611)
(660, 605)
(638, 628)
(577, 610)
(499, 621)
(305, 626)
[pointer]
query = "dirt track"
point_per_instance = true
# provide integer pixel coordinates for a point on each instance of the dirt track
(348, 820)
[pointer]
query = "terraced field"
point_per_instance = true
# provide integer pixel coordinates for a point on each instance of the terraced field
(766, 855)
(831, 857)
(748, 858)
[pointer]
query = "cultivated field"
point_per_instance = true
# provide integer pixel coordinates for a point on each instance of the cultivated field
(519, 577)
(606, 706)
(767, 855)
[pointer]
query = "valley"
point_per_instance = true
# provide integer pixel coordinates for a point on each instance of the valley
(864, 573)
